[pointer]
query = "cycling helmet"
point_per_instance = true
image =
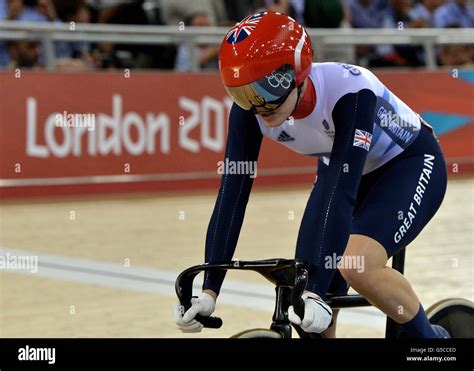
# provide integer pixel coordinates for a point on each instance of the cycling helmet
(263, 58)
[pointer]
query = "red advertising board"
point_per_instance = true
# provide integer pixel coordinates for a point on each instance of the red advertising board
(164, 131)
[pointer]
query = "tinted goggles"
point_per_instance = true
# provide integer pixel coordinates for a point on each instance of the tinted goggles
(268, 93)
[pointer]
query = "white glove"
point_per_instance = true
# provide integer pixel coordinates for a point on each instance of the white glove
(203, 305)
(317, 314)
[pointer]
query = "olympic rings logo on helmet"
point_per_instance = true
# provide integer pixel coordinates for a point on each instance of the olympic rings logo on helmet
(276, 80)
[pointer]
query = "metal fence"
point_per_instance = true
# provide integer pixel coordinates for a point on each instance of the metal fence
(48, 33)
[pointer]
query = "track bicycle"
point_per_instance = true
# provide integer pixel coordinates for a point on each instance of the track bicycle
(290, 277)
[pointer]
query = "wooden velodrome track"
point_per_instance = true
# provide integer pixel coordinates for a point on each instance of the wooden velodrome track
(107, 265)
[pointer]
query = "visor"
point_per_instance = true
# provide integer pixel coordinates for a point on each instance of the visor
(266, 94)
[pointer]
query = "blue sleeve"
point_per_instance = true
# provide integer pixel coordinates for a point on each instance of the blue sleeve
(326, 222)
(243, 144)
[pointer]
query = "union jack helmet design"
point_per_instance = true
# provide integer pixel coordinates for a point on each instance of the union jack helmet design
(243, 29)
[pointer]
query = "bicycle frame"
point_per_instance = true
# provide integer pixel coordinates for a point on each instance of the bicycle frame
(281, 272)
(290, 278)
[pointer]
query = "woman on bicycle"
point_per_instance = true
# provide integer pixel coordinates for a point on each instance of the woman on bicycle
(381, 172)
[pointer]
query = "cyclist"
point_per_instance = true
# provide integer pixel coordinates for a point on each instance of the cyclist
(381, 172)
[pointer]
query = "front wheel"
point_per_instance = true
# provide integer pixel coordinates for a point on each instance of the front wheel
(257, 333)
(455, 315)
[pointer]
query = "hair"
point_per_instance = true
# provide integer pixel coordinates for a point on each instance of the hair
(67, 8)
(189, 19)
(12, 43)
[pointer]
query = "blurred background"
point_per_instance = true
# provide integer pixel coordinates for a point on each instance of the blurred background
(177, 53)
(113, 119)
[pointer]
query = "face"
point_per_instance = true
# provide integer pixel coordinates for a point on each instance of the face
(201, 20)
(365, 2)
(402, 6)
(25, 53)
(432, 4)
(277, 117)
(83, 15)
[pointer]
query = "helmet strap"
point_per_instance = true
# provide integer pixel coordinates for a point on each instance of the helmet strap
(297, 98)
